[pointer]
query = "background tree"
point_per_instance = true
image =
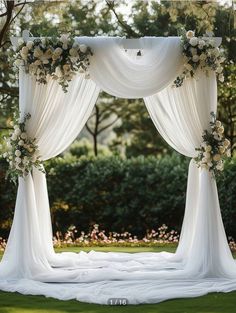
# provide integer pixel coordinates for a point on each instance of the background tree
(146, 18)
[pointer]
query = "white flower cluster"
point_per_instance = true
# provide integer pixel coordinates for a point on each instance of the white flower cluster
(214, 149)
(60, 58)
(200, 53)
(22, 152)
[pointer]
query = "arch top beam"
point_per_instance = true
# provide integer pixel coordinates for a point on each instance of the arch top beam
(127, 43)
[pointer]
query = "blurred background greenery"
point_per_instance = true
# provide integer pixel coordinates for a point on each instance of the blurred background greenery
(121, 174)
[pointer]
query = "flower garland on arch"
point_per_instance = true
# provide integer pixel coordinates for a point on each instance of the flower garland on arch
(22, 151)
(214, 149)
(61, 58)
(200, 53)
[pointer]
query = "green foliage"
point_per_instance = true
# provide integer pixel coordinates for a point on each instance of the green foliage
(7, 200)
(227, 196)
(119, 194)
(128, 195)
(84, 147)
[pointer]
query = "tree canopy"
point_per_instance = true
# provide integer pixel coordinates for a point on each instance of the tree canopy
(134, 130)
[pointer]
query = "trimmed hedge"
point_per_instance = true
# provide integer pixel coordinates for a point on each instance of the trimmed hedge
(122, 194)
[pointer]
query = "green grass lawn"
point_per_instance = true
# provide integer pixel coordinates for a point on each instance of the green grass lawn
(212, 303)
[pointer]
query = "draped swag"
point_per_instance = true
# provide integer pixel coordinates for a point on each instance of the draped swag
(202, 263)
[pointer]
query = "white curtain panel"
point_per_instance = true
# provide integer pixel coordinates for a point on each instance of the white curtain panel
(203, 262)
(180, 116)
(56, 120)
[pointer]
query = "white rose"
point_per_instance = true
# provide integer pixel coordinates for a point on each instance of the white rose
(202, 57)
(228, 153)
(221, 129)
(201, 43)
(222, 150)
(58, 51)
(220, 166)
(188, 67)
(14, 137)
(193, 41)
(18, 160)
(64, 38)
(216, 52)
(17, 131)
(221, 78)
(83, 48)
(37, 63)
(190, 34)
(43, 40)
(38, 53)
(208, 148)
(66, 67)
(25, 161)
(218, 137)
(195, 58)
(17, 153)
(218, 123)
(64, 46)
(207, 155)
(73, 52)
(209, 164)
(58, 72)
(5, 154)
(217, 157)
(219, 69)
(18, 62)
(23, 135)
(29, 45)
(226, 143)
(25, 50)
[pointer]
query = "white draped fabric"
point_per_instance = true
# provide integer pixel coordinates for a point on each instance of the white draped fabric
(203, 262)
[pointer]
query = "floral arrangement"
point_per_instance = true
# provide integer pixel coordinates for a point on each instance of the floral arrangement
(22, 151)
(214, 149)
(60, 58)
(200, 53)
(97, 237)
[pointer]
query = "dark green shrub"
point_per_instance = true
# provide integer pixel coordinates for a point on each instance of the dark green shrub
(119, 194)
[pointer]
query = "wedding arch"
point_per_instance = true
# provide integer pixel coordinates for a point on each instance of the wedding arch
(203, 262)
